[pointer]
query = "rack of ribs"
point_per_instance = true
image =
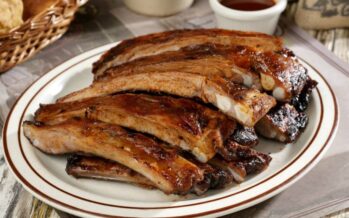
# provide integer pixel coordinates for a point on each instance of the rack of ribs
(247, 106)
(277, 72)
(177, 121)
(92, 167)
(181, 122)
(157, 43)
(154, 160)
(178, 110)
(122, 155)
(217, 175)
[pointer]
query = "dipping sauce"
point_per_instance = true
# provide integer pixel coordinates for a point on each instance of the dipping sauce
(248, 5)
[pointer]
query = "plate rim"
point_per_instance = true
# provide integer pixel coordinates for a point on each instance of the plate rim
(266, 194)
(302, 151)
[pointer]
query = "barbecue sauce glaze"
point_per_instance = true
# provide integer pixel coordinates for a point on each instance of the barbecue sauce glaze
(248, 5)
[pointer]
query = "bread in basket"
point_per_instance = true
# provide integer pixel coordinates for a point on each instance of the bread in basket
(44, 22)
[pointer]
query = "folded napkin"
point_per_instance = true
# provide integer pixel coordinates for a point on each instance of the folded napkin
(322, 14)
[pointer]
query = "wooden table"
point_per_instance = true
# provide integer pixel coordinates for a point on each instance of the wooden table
(16, 202)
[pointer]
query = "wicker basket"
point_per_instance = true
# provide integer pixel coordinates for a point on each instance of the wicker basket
(36, 33)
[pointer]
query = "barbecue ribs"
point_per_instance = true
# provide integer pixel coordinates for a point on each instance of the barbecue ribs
(177, 121)
(277, 72)
(247, 106)
(157, 43)
(154, 160)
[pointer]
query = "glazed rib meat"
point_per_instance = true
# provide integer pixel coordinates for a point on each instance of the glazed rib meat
(277, 72)
(214, 177)
(245, 136)
(281, 73)
(283, 123)
(154, 160)
(157, 43)
(301, 101)
(177, 121)
(218, 174)
(286, 121)
(81, 166)
(247, 106)
(243, 161)
(233, 63)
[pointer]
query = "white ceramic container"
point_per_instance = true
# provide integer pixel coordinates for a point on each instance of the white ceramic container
(264, 21)
(158, 7)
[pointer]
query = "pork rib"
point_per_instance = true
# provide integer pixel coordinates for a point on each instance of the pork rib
(278, 72)
(301, 101)
(233, 63)
(245, 136)
(157, 43)
(243, 161)
(218, 174)
(247, 106)
(154, 160)
(81, 166)
(177, 121)
(283, 123)
(281, 73)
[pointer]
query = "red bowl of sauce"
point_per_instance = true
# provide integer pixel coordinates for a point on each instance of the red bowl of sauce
(248, 5)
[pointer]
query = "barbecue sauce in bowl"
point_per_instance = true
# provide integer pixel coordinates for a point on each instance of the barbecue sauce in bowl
(248, 5)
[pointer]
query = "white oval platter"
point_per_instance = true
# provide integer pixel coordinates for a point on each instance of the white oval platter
(44, 175)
